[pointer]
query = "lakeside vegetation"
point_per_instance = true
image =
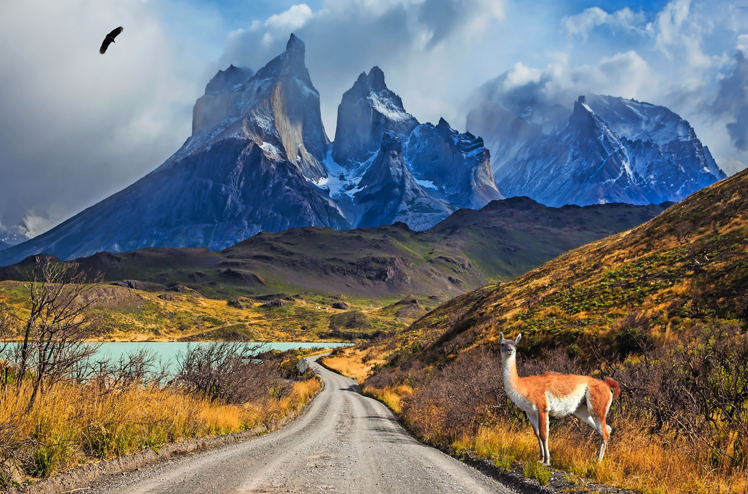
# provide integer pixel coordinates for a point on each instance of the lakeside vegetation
(62, 405)
(661, 308)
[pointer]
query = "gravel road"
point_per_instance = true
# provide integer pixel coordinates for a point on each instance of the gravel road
(344, 443)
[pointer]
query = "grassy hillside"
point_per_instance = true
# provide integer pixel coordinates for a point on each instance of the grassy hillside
(662, 307)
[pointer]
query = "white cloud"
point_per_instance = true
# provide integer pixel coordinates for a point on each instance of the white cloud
(293, 18)
(669, 22)
(582, 24)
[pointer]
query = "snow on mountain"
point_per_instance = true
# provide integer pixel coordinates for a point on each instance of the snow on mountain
(452, 169)
(609, 149)
(388, 193)
(368, 111)
(648, 155)
(458, 164)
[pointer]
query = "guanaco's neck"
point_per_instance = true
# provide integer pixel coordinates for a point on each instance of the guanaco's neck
(510, 371)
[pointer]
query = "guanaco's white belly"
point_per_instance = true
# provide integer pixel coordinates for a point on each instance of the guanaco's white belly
(560, 406)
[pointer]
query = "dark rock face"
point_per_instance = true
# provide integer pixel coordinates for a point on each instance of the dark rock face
(456, 163)
(390, 193)
(248, 173)
(608, 150)
(213, 107)
(368, 111)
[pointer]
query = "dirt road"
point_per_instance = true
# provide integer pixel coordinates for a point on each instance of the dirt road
(344, 443)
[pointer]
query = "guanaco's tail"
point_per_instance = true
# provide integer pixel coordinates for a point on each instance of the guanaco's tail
(614, 388)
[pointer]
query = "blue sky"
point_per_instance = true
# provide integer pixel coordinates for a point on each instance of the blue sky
(76, 127)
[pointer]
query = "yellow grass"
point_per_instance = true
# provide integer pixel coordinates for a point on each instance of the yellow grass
(391, 396)
(350, 362)
(73, 424)
(635, 460)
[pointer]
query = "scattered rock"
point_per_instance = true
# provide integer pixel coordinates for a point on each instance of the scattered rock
(242, 277)
(133, 284)
(274, 303)
(167, 296)
(341, 305)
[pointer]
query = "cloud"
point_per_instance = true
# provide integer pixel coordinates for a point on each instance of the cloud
(443, 18)
(75, 125)
(623, 74)
(293, 18)
(582, 24)
(415, 42)
(731, 101)
(669, 22)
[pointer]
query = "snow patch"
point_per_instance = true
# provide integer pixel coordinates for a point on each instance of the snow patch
(270, 151)
(386, 107)
(426, 183)
(336, 186)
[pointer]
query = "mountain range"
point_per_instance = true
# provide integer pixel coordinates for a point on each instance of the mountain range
(259, 160)
(608, 149)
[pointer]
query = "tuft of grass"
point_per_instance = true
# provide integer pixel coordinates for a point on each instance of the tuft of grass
(537, 471)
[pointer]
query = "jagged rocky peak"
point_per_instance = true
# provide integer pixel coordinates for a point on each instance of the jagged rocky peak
(458, 165)
(611, 150)
(389, 193)
(228, 80)
(281, 106)
(214, 106)
(366, 113)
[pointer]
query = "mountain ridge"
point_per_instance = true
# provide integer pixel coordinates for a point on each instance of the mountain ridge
(469, 248)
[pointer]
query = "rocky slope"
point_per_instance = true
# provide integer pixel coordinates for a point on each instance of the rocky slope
(249, 173)
(214, 105)
(389, 193)
(608, 150)
(456, 164)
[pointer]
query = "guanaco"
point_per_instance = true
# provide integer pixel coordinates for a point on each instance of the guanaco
(558, 395)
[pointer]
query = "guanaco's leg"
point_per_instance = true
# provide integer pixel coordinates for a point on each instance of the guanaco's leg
(599, 405)
(543, 433)
(584, 415)
(533, 418)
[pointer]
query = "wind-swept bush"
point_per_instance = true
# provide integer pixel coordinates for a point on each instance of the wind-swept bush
(232, 372)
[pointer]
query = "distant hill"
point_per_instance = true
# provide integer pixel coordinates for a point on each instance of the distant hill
(470, 248)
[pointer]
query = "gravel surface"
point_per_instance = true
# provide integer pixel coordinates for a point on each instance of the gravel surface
(344, 442)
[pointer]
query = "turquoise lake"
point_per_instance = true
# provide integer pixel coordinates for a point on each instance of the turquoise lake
(167, 351)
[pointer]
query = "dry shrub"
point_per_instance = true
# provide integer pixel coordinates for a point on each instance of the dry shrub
(231, 372)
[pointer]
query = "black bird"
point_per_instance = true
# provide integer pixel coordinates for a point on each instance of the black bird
(110, 39)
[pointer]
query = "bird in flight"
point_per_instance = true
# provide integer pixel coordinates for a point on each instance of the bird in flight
(110, 39)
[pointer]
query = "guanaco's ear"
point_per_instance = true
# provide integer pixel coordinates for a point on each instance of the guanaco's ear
(519, 336)
(501, 335)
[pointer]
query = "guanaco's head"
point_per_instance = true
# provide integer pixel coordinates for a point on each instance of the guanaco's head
(509, 347)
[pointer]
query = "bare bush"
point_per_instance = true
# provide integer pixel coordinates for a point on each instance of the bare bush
(235, 373)
(53, 335)
(697, 387)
